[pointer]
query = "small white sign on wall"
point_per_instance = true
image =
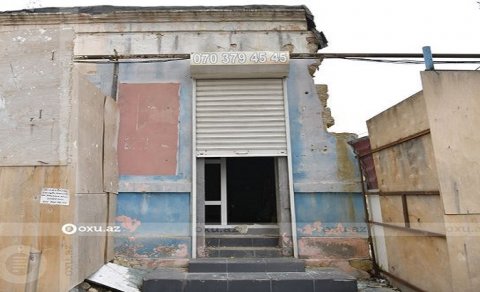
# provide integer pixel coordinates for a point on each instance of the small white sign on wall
(53, 196)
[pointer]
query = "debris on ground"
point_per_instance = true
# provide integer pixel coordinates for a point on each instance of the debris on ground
(375, 285)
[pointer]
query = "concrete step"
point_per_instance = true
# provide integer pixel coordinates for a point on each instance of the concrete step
(239, 265)
(243, 252)
(324, 280)
(241, 240)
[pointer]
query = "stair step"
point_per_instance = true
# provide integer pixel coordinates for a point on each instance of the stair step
(239, 265)
(242, 240)
(244, 252)
(310, 281)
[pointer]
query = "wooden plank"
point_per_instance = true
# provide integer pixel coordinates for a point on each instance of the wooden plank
(33, 226)
(88, 135)
(89, 245)
(464, 250)
(404, 119)
(392, 210)
(110, 161)
(409, 166)
(112, 210)
(452, 99)
(420, 260)
(426, 213)
(35, 65)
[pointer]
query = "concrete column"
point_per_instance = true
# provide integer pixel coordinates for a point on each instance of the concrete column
(283, 206)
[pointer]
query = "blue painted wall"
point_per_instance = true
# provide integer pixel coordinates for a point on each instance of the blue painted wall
(330, 215)
(316, 158)
(153, 224)
(161, 204)
(325, 173)
(328, 201)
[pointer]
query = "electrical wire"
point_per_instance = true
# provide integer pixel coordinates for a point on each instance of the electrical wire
(406, 61)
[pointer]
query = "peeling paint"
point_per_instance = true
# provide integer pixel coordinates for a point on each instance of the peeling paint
(333, 248)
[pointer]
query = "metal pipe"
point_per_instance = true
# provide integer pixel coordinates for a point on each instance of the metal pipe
(427, 57)
(116, 57)
(193, 194)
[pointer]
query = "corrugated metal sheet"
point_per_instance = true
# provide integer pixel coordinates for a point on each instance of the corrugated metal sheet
(363, 150)
(240, 117)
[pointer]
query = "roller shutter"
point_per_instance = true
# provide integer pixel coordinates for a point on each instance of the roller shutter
(240, 117)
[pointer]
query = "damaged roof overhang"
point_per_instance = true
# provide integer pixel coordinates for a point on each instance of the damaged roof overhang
(20, 15)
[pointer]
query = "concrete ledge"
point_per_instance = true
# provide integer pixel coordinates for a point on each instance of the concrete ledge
(310, 281)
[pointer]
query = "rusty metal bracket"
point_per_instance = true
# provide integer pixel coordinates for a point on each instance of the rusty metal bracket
(406, 193)
(408, 229)
(395, 143)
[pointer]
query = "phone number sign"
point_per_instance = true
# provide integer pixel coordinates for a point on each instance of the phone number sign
(239, 58)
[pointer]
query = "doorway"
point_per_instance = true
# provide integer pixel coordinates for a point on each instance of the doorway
(240, 191)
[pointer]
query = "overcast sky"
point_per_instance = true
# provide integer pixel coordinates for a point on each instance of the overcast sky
(359, 90)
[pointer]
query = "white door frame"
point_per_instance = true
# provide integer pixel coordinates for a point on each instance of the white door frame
(223, 190)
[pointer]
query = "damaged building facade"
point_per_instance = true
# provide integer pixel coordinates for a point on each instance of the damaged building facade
(223, 148)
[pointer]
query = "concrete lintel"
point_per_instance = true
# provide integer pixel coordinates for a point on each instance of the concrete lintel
(155, 187)
(328, 187)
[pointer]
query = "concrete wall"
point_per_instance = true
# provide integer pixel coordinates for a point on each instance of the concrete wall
(329, 206)
(324, 167)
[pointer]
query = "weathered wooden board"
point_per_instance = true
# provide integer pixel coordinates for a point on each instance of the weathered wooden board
(89, 245)
(35, 66)
(404, 119)
(422, 261)
(28, 226)
(110, 139)
(463, 233)
(453, 104)
(112, 210)
(87, 135)
(392, 212)
(426, 213)
(409, 166)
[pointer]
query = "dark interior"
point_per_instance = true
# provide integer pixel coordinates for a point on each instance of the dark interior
(251, 190)
(212, 193)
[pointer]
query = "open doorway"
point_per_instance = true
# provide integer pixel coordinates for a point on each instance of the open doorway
(240, 191)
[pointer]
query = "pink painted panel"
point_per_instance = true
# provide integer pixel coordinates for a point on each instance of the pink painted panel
(148, 137)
